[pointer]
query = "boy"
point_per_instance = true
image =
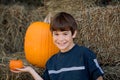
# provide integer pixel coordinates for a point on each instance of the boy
(73, 62)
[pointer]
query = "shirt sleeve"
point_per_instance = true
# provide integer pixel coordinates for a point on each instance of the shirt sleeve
(46, 75)
(93, 66)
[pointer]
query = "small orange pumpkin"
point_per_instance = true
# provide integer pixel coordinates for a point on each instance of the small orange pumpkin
(15, 64)
(38, 45)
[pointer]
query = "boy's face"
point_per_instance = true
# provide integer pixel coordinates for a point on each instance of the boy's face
(63, 40)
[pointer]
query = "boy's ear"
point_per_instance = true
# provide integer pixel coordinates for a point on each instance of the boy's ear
(74, 35)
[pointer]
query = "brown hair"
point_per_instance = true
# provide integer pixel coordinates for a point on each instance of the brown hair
(63, 22)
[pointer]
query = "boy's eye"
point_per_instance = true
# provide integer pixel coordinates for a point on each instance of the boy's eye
(55, 34)
(64, 33)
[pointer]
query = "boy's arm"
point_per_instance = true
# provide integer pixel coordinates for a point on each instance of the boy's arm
(30, 70)
(95, 70)
(35, 75)
(100, 78)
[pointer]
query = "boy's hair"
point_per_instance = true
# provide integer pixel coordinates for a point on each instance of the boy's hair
(63, 22)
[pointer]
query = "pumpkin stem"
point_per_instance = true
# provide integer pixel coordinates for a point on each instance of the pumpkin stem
(17, 58)
(48, 18)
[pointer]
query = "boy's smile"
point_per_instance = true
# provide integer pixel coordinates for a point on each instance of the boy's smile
(63, 40)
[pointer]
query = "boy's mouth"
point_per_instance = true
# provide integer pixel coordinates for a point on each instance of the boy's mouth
(62, 44)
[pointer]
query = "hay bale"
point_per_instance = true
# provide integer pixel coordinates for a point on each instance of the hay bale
(99, 29)
(13, 24)
(6, 74)
(68, 5)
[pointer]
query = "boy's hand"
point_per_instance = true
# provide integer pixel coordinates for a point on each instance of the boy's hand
(30, 70)
(24, 69)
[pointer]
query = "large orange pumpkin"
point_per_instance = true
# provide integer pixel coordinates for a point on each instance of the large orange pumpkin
(38, 45)
(15, 64)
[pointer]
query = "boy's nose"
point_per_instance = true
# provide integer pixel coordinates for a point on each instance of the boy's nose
(61, 38)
